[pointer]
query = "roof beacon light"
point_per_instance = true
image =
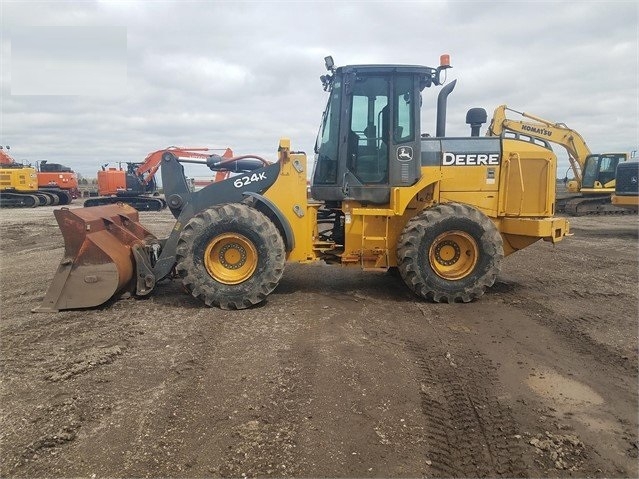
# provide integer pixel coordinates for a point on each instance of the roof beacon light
(444, 61)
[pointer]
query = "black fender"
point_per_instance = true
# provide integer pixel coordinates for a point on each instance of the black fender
(266, 206)
(185, 204)
(179, 197)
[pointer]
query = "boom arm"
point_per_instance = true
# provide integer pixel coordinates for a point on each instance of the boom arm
(147, 169)
(5, 158)
(557, 133)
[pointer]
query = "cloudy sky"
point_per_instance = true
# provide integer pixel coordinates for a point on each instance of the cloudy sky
(127, 78)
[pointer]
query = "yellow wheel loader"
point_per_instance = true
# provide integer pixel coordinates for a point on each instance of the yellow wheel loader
(443, 211)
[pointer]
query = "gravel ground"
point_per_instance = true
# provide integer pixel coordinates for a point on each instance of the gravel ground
(340, 373)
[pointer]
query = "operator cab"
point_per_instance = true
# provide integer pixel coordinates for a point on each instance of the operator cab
(601, 169)
(369, 140)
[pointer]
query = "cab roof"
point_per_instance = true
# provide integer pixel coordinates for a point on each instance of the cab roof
(385, 68)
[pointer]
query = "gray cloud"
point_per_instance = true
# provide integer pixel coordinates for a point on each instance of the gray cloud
(244, 74)
(68, 60)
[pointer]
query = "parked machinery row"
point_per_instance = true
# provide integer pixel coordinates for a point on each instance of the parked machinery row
(24, 186)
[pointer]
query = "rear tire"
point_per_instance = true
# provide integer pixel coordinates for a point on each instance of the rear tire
(450, 253)
(230, 256)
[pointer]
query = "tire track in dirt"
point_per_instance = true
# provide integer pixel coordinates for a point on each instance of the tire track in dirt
(235, 411)
(261, 441)
(464, 429)
(565, 326)
(468, 432)
(358, 419)
(306, 355)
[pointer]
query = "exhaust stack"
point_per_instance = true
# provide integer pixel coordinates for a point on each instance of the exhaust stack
(442, 98)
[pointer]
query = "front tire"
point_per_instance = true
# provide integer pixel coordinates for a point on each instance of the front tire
(230, 256)
(450, 253)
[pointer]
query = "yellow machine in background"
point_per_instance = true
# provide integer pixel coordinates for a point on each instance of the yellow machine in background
(22, 178)
(594, 174)
(627, 186)
(20, 185)
(443, 211)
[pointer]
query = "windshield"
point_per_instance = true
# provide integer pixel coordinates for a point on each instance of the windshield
(600, 168)
(369, 134)
(327, 139)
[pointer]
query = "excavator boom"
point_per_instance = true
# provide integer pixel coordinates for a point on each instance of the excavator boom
(136, 186)
(558, 133)
(147, 170)
(594, 174)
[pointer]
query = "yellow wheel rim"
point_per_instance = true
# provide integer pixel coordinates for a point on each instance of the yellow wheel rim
(453, 255)
(230, 258)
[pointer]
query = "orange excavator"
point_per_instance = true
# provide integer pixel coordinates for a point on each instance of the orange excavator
(137, 187)
(55, 177)
(119, 185)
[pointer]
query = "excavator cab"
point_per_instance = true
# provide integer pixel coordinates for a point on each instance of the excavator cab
(369, 140)
(599, 170)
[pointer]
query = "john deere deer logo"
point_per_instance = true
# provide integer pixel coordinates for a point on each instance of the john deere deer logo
(404, 153)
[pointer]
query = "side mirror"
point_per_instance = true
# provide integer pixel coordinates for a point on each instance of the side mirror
(330, 64)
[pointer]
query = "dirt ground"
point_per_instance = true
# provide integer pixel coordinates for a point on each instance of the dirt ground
(340, 373)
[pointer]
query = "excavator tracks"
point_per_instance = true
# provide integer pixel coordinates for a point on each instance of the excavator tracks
(18, 200)
(140, 203)
(12, 199)
(600, 205)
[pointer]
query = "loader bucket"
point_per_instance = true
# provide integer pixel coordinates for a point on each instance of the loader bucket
(98, 262)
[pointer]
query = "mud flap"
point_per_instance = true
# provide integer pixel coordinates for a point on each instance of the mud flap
(98, 261)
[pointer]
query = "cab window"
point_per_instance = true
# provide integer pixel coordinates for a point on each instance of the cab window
(367, 144)
(404, 107)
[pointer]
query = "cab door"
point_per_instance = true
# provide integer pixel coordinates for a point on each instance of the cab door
(378, 145)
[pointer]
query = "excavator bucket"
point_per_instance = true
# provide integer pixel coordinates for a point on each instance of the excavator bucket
(98, 261)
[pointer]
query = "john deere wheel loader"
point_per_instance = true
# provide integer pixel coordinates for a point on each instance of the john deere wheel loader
(444, 211)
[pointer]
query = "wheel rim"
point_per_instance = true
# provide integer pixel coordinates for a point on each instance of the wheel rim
(230, 258)
(453, 255)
